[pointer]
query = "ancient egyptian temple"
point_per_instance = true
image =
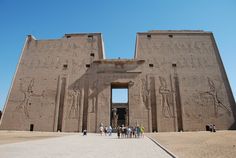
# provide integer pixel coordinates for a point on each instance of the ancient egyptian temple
(176, 81)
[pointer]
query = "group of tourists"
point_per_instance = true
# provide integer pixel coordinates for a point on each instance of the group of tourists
(122, 131)
(211, 128)
(130, 132)
(105, 130)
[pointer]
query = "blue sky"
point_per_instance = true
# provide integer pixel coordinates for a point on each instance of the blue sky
(120, 95)
(118, 20)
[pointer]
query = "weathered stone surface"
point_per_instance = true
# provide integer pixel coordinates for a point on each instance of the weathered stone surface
(176, 81)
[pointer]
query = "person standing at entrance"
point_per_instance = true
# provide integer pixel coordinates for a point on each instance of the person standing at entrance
(118, 131)
(142, 131)
(105, 130)
(84, 132)
(110, 130)
(101, 129)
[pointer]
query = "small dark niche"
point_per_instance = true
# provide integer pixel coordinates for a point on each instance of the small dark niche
(31, 127)
(171, 36)
(149, 36)
(151, 65)
(68, 36)
(87, 65)
(65, 66)
(90, 36)
(92, 54)
(174, 65)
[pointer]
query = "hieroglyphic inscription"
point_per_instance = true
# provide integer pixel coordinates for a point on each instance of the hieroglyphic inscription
(74, 102)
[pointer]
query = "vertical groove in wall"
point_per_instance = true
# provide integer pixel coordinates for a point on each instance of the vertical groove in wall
(57, 101)
(85, 109)
(61, 104)
(80, 126)
(178, 104)
(175, 121)
(153, 104)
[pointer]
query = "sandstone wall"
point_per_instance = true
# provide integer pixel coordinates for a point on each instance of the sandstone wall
(38, 83)
(192, 89)
(176, 82)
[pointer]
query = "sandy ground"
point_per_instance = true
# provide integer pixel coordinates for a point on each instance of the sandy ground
(221, 144)
(77, 146)
(7, 137)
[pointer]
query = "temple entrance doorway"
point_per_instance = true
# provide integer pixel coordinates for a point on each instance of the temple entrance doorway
(119, 105)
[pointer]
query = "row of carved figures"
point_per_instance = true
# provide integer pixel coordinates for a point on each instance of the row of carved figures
(75, 95)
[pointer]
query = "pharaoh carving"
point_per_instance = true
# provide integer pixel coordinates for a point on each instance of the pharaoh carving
(74, 99)
(93, 97)
(28, 94)
(216, 101)
(145, 93)
(166, 98)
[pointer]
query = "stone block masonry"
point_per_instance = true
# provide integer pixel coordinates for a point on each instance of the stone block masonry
(176, 82)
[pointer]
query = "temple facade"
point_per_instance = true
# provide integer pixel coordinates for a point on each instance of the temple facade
(176, 82)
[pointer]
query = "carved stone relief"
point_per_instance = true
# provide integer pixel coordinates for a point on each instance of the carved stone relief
(217, 103)
(166, 98)
(145, 93)
(27, 100)
(93, 97)
(74, 102)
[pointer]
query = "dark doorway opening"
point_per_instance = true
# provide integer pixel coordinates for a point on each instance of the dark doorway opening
(119, 105)
(121, 112)
(31, 127)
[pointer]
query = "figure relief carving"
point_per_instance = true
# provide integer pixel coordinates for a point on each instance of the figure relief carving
(145, 93)
(199, 62)
(46, 63)
(37, 64)
(75, 54)
(205, 47)
(74, 66)
(209, 48)
(22, 62)
(156, 45)
(69, 45)
(93, 97)
(58, 62)
(166, 98)
(31, 65)
(91, 39)
(192, 61)
(197, 45)
(180, 45)
(202, 47)
(216, 101)
(27, 100)
(74, 102)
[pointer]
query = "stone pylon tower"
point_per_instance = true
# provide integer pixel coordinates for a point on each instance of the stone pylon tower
(176, 82)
